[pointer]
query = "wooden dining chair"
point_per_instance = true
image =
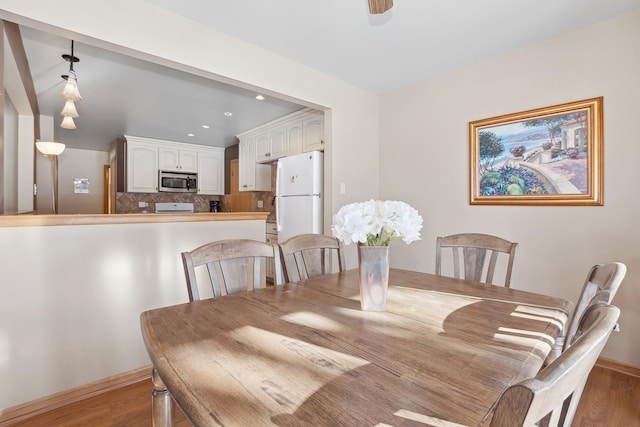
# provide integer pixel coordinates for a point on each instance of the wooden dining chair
(308, 255)
(552, 397)
(600, 285)
(471, 250)
(233, 266)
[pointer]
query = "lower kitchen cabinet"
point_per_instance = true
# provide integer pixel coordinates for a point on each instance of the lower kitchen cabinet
(272, 237)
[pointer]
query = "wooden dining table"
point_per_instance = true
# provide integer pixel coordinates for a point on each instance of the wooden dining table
(306, 354)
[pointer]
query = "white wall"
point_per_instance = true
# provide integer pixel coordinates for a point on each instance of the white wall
(10, 169)
(25, 162)
(71, 297)
(557, 245)
(74, 163)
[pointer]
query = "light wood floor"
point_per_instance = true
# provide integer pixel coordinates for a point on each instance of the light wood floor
(610, 399)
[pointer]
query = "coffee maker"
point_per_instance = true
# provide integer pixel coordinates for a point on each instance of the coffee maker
(214, 206)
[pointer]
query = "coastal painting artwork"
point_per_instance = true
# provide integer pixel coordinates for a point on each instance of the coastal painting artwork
(546, 156)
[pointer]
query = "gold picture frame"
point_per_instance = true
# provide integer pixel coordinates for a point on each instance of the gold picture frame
(547, 156)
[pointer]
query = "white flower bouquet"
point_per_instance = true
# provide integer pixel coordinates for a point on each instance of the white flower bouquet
(376, 223)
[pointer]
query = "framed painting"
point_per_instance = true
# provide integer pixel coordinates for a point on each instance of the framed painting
(546, 156)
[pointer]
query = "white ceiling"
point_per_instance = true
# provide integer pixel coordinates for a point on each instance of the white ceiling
(127, 96)
(415, 40)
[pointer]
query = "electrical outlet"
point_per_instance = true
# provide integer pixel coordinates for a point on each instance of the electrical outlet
(143, 204)
(260, 204)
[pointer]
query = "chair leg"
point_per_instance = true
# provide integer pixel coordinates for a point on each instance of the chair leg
(161, 403)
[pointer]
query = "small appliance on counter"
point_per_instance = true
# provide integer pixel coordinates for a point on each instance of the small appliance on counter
(174, 208)
(214, 206)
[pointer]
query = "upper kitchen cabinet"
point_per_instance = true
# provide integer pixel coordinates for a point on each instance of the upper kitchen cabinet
(177, 159)
(313, 132)
(142, 166)
(145, 157)
(271, 144)
(210, 170)
(294, 138)
(253, 176)
(292, 134)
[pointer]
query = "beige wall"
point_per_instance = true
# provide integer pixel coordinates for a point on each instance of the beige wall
(424, 161)
(74, 163)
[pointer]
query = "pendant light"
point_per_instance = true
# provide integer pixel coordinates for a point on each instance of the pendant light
(69, 109)
(67, 123)
(71, 93)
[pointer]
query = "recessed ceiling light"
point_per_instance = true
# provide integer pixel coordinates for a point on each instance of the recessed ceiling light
(190, 134)
(205, 126)
(228, 114)
(260, 97)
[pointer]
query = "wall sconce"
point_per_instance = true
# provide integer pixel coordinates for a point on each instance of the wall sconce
(52, 150)
(70, 93)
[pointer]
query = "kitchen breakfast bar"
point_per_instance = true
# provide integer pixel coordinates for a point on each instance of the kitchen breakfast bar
(74, 287)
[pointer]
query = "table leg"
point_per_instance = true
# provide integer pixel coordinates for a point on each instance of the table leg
(161, 403)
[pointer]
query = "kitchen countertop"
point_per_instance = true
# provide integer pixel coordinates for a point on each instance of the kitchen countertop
(52, 220)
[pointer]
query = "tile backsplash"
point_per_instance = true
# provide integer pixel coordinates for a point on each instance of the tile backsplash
(128, 202)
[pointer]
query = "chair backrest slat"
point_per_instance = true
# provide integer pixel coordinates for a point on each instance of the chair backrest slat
(233, 266)
(308, 255)
(475, 248)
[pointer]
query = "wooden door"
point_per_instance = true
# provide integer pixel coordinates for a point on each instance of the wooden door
(240, 201)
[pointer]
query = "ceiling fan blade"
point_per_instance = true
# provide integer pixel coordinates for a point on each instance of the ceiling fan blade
(379, 6)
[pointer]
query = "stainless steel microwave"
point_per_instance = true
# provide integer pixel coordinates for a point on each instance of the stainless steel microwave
(177, 182)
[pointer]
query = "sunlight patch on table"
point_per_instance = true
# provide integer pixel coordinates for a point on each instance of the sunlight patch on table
(253, 358)
(541, 314)
(312, 320)
(426, 419)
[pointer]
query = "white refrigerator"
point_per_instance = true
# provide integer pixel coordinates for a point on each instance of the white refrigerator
(299, 195)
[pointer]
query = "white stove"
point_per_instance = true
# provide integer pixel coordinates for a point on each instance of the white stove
(174, 208)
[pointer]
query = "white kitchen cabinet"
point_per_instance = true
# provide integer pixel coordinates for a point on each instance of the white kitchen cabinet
(294, 138)
(210, 170)
(261, 144)
(271, 145)
(146, 156)
(313, 132)
(253, 176)
(177, 159)
(142, 167)
(292, 134)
